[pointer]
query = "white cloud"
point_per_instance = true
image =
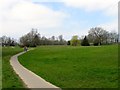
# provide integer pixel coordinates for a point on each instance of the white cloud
(108, 6)
(19, 16)
(110, 26)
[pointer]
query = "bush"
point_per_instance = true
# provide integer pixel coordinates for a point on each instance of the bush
(96, 44)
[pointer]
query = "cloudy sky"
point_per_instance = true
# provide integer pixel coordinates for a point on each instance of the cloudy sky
(56, 17)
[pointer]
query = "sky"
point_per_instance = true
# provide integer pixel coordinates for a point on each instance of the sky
(57, 17)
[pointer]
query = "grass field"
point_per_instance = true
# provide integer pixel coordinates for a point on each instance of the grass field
(75, 67)
(9, 78)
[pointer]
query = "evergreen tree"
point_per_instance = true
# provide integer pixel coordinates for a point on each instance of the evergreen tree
(68, 43)
(85, 42)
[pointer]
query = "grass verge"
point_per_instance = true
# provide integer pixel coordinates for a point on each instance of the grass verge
(9, 77)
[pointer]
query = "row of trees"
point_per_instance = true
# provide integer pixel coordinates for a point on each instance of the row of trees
(100, 36)
(33, 39)
(96, 36)
(7, 41)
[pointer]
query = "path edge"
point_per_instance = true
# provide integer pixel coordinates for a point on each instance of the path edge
(24, 84)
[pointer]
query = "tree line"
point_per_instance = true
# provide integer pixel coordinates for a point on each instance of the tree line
(33, 39)
(7, 41)
(96, 36)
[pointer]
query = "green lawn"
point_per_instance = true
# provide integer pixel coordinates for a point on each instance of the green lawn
(9, 78)
(75, 67)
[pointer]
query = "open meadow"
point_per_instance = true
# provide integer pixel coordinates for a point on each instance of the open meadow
(75, 66)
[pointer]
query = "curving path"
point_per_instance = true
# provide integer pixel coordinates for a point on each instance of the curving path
(29, 78)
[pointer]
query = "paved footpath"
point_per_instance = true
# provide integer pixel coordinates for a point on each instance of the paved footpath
(29, 78)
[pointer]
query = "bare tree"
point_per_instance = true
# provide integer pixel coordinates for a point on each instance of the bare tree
(30, 39)
(33, 38)
(7, 41)
(97, 35)
(113, 37)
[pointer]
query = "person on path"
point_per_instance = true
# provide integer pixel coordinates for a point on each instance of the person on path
(25, 48)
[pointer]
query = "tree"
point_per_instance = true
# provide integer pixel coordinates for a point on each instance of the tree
(60, 38)
(85, 42)
(75, 41)
(97, 35)
(44, 40)
(36, 39)
(7, 41)
(53, 38)
(31, 39)
(113, 37)
(68, 43)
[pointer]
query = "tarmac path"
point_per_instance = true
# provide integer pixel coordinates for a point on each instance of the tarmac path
(28, 77)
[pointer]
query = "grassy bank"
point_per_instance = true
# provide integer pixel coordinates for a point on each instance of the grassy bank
(9, 78)
(75, 67)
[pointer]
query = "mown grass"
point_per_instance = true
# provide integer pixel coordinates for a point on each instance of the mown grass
(75, 67)
(9, 78)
